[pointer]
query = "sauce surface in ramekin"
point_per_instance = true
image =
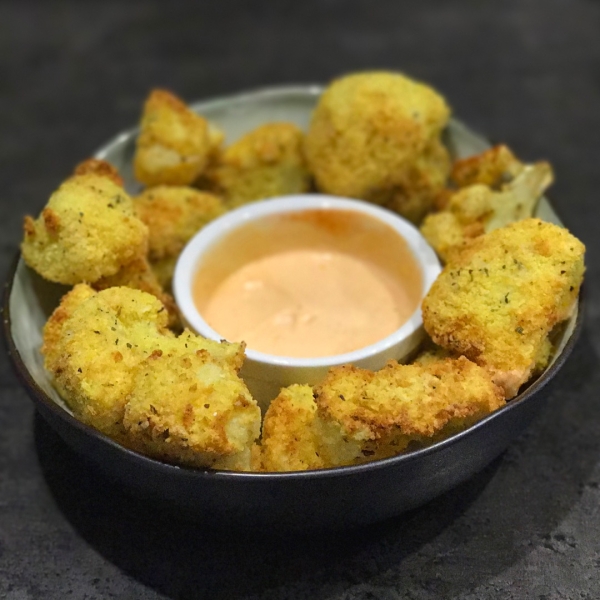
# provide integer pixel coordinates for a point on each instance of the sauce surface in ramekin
(308, 284)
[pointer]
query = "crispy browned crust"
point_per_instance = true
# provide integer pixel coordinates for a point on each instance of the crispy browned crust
(174, 144)
(97, 346)
(493, 168)
(366, 415)
(53, 329)
(174, 214)
(266, 162)
(499, 298)
(376, 136)
(99, 167)
(498, 190)
(185, 407)
(87, 230)
(138, 274)
(28, 226)
(51, 221)
(289, 441)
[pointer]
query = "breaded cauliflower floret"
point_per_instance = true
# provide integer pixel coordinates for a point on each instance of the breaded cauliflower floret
(187, 408)
(174, 214)
(139, 275)
(53, 329)
(95, 341)
(88, 230)
(499, 298)
(366, 416)
(289, 440)
(174, 144)
(359, 415)
(103, 338)
(423, 183)
(230, 353)
(493, 167)
(164, 269)
(462, 220)
(376, 136)
(264, 163)
(480, 208)
(430, 353)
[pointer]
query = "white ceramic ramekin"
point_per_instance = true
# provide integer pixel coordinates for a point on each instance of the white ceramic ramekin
(265, 374)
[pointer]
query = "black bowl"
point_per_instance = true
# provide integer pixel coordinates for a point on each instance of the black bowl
(340, 497)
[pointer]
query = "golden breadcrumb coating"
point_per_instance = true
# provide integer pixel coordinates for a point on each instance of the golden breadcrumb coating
(264, 163)
(102, 340)
(376, 136)
(446, 234)
(187, 408)
(99, 167)
(289, 439)
(174, 144)
(139, 275)
(356, 415)
(53, 329)
(510, 195)
(164, 269)
(174, 214)
(423, 182)
(95, 341)
(216, 138)
(87, 230)
(493, 167)
(499, 298)
(366, 416)
(430, 352)
(231, 354)
(543, 357)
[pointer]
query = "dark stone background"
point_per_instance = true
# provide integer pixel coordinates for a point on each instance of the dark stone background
(524, 72)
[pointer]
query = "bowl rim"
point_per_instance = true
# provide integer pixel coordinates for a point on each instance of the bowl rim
(39, 395)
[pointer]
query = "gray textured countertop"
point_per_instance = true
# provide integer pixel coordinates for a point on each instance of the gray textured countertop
(523, 72)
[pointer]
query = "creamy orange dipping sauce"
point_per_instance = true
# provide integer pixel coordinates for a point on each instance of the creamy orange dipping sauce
(310, 284)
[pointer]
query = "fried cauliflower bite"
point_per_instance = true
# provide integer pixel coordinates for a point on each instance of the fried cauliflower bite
(462, 220)
(189, 409)
(367, 416)
(139, 275)
(479, 208)
(87, 230)
(103, 337)
(429, 353)
(501, 296)
(493, 167)
(356, 415)
(289, 439)
(174, 144)
(53, 329)
(173, 216)
(264, 163)
(164, 269)
(94, 343)
(422, 184)
(376, 136)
